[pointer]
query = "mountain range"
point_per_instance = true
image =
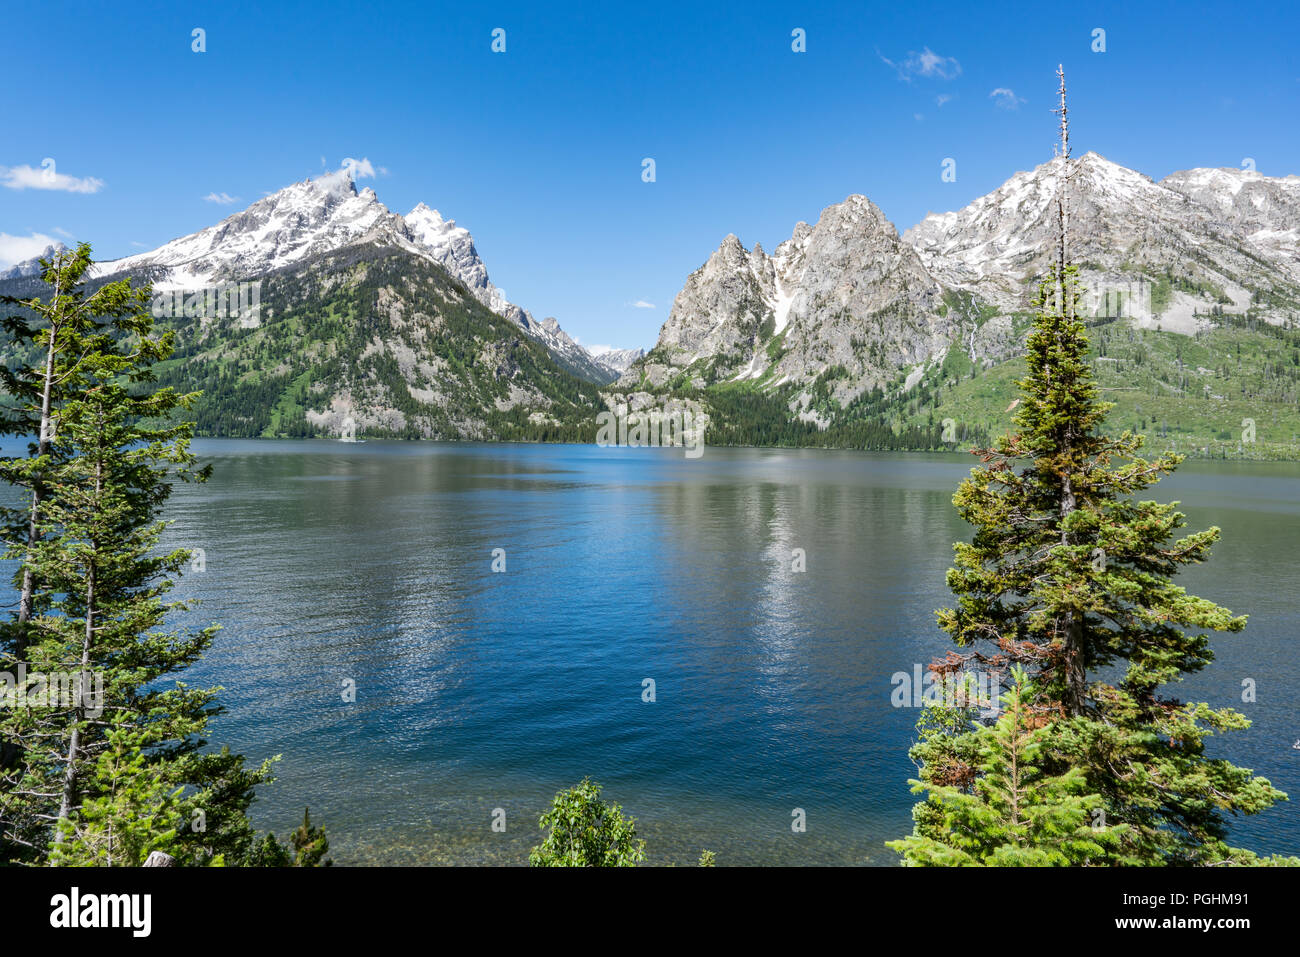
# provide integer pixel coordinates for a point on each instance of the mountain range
(851, 294)
(849, 332)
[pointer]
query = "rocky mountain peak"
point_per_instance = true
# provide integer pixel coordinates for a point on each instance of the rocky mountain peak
(850, 295)
(856, 214)
(320, 215)
(731, 250)
(822, 298)
(32, 267)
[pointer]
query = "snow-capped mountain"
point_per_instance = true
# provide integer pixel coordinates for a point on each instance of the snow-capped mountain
(321, 215)
(1265, 208)
(453, 247)
(1190, 231)
(32, 267)
(849, 304)
(291, 225)
(617, 360)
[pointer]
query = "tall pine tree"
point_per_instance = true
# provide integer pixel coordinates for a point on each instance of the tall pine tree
(114, 766)
(1070, 577)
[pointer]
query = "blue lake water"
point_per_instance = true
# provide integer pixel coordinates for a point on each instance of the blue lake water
(478, 690)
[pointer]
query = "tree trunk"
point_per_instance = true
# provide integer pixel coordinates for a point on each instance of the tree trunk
(26, 598)
(1072, 626)
(79, 713)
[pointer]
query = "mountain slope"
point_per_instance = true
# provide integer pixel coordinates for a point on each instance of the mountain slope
(1231, 390)
(1266, 209)
(453, 247)
(378, 341)
(1166, 253)
(319, 216)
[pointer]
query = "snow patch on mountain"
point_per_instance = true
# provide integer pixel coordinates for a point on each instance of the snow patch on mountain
(1220, 230)
(320, 215)
(616, 360)
(1265, 208)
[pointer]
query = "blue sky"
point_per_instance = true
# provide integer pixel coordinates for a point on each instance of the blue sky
(538, 150)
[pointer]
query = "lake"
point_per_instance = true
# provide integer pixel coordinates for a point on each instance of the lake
(329, 563)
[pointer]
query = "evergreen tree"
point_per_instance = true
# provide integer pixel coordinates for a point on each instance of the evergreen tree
(126, 813)
(46, 340)
(1016, 814)
(310, 844)
(307, 847)
(112, 767)
(1070, 577)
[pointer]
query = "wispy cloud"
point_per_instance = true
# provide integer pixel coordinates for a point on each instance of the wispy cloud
(17, 249)
(1005, 99)
(359, 169)
(350, 170)
(942, 98)
(641, 304)
(221, 199)
(927, 63)
(28, 177)
(64, 233)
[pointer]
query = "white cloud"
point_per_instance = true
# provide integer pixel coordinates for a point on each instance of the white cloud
(360, 169)
(64, 233)
(221, 199)
(351, 170)
(1006, 99)
(642, 304)
(927, 63)
(941, 99)
(28, 177)
(138, 245)
(17, 249)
